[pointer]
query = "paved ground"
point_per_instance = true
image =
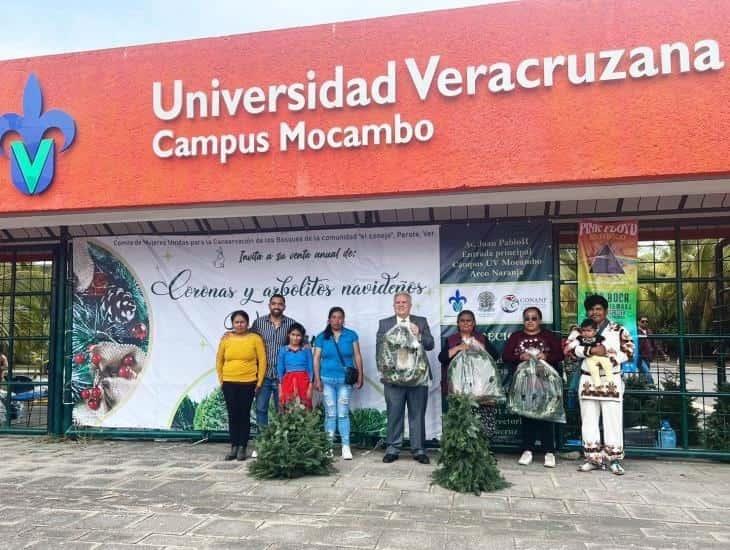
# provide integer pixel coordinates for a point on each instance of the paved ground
(131, 495)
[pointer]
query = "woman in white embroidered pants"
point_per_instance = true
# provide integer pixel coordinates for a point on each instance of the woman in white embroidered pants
(603, 403)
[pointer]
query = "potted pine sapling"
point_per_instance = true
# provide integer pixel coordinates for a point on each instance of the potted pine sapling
(466, 463)
(294, 444)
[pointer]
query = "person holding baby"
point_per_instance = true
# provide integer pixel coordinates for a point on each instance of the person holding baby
(602, 346)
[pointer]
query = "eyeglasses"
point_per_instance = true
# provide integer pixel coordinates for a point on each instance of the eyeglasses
(644, 320)
(532, 318)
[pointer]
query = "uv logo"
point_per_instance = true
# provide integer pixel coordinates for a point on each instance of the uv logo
(32, 158)
(457, 301)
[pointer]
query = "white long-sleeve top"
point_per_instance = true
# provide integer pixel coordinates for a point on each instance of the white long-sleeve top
(616, 338)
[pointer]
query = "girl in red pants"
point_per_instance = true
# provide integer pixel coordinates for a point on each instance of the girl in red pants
(294, 368)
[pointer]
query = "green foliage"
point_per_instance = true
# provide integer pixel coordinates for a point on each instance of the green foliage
(82, 377)
(670, 407)
(717, 427)
(640, 410)
(211, 414)
(650, 410)
(294, 444)
(120, 276)
(368, 422)
(90, 326)
(466, 464)
(185, 415)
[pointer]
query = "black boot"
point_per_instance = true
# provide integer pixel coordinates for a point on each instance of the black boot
(241, 455)
(233, 453)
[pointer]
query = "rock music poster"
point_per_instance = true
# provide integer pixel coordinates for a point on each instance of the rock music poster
(607, 265)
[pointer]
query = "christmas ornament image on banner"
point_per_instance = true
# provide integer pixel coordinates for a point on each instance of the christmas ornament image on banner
(110, 335)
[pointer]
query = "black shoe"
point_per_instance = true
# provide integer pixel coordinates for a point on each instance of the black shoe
(390, 457)
(423, 459)
(241, 454)
(234, 451)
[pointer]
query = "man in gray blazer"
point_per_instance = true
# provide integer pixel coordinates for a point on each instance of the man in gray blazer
(397, 397)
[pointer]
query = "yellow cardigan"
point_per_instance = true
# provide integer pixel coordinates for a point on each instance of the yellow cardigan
(241, 359)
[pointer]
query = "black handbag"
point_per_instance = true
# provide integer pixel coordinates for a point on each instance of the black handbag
(350, 372)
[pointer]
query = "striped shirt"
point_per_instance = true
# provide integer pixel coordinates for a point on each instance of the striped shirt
(274, 339)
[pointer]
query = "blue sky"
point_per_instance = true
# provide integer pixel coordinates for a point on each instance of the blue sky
(43, 27)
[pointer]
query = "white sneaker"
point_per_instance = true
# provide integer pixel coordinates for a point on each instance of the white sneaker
(616, 468)
(588, 467)
(525, 459)
(254, 454)
(346, 452)
(549, 460)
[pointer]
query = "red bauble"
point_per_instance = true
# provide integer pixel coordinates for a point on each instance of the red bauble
(139, 331)
(96, 392)
(128, 360)
(85, 394)
(93, 404)
(79, 358)
(99, 284)
(96, 359)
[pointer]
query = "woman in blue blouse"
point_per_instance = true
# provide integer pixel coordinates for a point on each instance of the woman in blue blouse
(335, 349)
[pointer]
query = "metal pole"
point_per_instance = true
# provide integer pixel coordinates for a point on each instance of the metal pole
(721, 310)
(556, 306)
(58, 317)
(11, 341)
(684, 420)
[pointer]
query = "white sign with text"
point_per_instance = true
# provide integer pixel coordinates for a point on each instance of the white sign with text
(192, 283)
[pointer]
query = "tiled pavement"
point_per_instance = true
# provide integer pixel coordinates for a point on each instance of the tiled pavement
(114, 495)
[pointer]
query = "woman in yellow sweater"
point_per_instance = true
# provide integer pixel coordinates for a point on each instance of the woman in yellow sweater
(241, 365)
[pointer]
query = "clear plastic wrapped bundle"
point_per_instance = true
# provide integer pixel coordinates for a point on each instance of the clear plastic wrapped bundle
(537, 391)
(401, 358)
(473, 372)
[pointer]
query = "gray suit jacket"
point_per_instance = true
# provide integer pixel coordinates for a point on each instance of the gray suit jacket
(388, 323)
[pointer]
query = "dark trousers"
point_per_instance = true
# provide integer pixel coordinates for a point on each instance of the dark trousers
(533, 430)
(239, 398)
(396, 399)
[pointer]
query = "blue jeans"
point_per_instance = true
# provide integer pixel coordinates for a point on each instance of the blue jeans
(337, 408)
(268, 388)
(645, 369)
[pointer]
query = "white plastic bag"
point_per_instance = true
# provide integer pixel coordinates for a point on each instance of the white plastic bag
(401, 359)
(473, 372)
(537, 391)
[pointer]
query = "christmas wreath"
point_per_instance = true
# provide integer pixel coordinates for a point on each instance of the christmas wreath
(110, 332)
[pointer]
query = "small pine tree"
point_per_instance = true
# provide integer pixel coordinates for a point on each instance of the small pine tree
(294, 444)
(640, 410)
(211, 414)
(466, 464)
(185, 414)
(717, 427)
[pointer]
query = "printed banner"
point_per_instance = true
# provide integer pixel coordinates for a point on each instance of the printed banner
(149, 312)
(496, 270)
(496, 303)
(607, 265)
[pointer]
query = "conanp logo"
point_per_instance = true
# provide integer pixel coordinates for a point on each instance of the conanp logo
(32, 158)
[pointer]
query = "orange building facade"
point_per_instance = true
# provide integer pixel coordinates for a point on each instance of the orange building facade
(551, 109)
